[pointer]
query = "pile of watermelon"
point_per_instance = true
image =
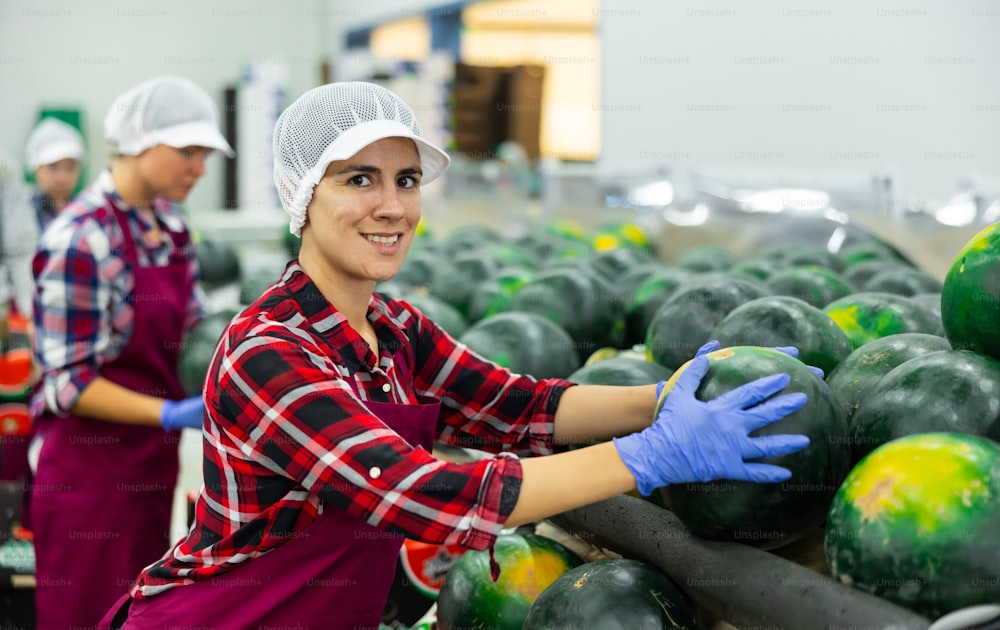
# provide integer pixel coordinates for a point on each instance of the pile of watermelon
(902, 474)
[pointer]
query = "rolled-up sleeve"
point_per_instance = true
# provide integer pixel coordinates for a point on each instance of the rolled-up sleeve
(72, 293)
(291, 411)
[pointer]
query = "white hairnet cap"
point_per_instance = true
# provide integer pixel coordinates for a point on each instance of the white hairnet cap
(334, 122)
(52, 140)
(166, 110)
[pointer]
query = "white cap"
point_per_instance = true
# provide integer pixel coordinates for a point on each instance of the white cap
(334, 122)
(53, 140)
(166, 110)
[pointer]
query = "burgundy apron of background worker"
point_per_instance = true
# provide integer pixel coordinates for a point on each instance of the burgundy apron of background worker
(103, 492)
(334, 574)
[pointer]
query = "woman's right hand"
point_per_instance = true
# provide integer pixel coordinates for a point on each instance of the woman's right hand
(696, 441)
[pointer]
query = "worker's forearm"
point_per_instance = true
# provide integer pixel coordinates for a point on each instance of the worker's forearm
(556, 483)
(594, 413)
(108, 401)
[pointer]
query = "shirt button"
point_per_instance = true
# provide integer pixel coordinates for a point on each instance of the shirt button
(386, 387)
(374, 472)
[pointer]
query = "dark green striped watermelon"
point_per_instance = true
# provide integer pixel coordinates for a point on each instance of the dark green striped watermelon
(494, 294)
(903, 281)
(527, 343)
(420, 268)
(800, 255)
(621, 370)
(868, 316)
(619, 594)
(580, 301)
(529, 563)
(917, 522)
(198, 348)
(779, 320)
(952, 390)
(868, 250)
(686, 319)
(761, 514)
(860, 273)
(970, 298)
(647, 298)
(440, 312)
(704, 258)
(813, 284)
(857, 375)
(468, 270)
(758, 267)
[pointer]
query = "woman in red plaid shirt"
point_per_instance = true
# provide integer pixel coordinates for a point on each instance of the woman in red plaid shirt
(324, 400)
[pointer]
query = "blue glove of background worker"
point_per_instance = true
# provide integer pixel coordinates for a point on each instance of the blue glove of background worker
(180, 414)
(714, 345)
(692, 441)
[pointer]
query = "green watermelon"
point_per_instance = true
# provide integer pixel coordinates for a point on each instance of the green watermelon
(762, 514)
(857, 375)
(970, 298)
(703, 258)
(801, 255)
(620, 234)
(218, 264)
(779, 320)
(421, 267)
(469, 237)
(529, 563)
(814, 284)
(619, 594)
(931, 302)
(580, 301)
(198, 348)
(917, 522)
(956, 391)
(440, 312)
(647, 298)
(868, 316)
(758, 267)
(622, 369)
(860, 273)
(467, 271)
(527, 343)
(613, 264)
(494, 294)
(865, 251)
(686, 319)
(902, 281)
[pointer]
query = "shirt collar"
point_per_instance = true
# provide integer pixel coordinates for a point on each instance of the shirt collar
(332, 325)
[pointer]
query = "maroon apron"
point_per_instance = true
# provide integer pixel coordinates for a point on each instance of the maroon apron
(103, 492)
(334, 574)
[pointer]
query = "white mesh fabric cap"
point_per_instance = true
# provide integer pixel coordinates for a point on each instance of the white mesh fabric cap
(50, 141)
(334, 122)
(166, 110)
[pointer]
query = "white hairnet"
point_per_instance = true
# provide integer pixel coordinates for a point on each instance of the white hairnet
(50, 141)
(166, 110)
(334, 122)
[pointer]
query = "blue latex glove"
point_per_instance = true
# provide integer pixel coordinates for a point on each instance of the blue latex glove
(179, 414)
(714, 345)
(693, 441)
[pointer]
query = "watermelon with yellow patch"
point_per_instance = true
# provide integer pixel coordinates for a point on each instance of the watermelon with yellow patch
(469, 598)
(970, 298)
(867, 316)
(767, 515)
(917, 522)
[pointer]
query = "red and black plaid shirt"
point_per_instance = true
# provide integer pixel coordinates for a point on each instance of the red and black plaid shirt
(286, 433)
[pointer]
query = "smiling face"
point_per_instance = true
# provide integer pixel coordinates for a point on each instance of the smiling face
(362, 216)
